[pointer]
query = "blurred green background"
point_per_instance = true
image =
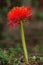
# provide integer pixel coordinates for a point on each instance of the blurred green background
(33, 31)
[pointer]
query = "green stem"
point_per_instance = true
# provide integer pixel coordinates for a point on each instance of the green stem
(23, 42)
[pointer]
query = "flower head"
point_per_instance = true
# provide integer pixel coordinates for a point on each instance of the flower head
(17, 14)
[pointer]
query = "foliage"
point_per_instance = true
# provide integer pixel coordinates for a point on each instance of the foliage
(12, 54)
(3, 56)
(36, 48)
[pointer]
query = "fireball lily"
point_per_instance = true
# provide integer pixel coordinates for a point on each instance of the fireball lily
(15, 17)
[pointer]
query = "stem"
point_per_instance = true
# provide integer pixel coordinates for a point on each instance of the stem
(23, 43)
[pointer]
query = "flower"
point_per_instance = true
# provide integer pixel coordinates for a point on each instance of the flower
(16, 14)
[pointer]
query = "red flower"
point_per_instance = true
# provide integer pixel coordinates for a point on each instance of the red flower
(17, 14)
